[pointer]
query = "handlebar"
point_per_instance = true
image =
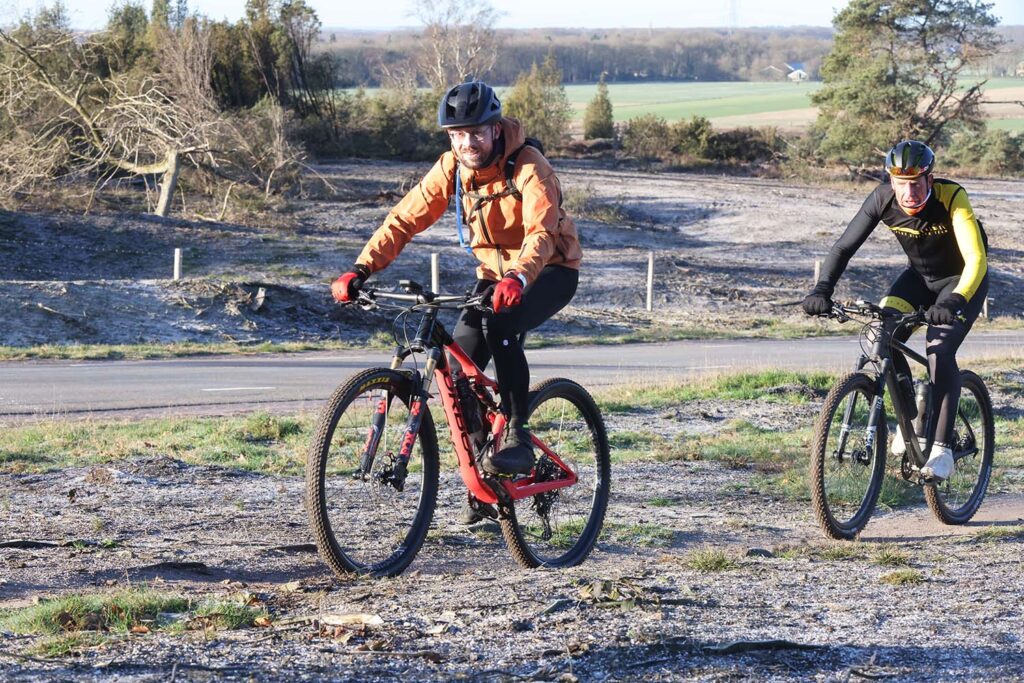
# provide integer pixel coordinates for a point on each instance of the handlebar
(415, 294)
(843, 312)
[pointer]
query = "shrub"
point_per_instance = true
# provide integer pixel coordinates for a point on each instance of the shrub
(645, 137)
(996, 152)
(691, 137)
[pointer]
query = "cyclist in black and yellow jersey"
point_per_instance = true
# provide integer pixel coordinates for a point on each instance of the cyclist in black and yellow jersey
(946, 245)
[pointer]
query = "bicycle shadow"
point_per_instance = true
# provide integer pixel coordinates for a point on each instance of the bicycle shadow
(919, 524)
(687, 657)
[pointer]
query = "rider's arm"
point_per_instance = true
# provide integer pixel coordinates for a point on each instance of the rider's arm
(972, 248)
(420, 208)
(542, 214)
(854, 236)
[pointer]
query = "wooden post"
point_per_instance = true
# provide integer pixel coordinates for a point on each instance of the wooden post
(177, 263)
(650, 281)
(435, 273)
(817, 270)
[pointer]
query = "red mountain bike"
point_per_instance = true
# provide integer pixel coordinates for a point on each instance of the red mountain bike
(372, 469)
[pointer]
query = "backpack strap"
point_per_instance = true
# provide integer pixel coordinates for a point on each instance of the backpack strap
(458, 211)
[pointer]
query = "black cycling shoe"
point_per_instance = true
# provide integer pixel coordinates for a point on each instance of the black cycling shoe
(469, 516)
(515, 458)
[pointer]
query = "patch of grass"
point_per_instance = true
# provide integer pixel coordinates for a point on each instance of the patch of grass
(841, 551)
(663, 502)
(778, 386)
(890, 556)
(113, 613)
(259, 442)
(76, 622)
(903, 577)
(584, 202)
(1000, 533)
(798, 551)
(172, 350)
(710, 560)
(224, 615)
(640, 535)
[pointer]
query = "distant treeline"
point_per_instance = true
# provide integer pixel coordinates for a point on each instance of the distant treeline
(624, 55)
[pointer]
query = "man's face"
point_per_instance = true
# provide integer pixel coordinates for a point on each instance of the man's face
(475, 144)
(912, 193)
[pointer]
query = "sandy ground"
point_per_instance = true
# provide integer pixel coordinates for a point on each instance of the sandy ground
(727, 249)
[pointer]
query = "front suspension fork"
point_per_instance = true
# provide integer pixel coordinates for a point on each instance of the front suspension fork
(421, 384)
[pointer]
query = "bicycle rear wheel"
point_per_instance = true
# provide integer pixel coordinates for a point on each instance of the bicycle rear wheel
(559, 528)
(956, 500)
(367, 522)
(845, 478)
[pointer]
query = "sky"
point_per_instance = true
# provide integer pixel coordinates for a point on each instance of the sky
(356, 14)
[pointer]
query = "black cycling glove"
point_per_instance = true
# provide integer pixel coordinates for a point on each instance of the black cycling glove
(819, 301)
(947, 310)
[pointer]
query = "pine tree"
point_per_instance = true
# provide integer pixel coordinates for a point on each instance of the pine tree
(539, 101)
(597, 119)
(897, 71)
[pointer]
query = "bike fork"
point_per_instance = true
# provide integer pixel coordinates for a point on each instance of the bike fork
(416, 411)
(377, 425)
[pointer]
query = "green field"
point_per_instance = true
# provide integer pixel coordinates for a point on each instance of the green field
(674, 101)
(713, 100)
(683, 100)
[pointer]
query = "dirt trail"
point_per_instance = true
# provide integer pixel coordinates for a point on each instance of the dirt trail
(920, 525)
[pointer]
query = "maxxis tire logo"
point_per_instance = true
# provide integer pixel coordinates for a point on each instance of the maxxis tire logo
(372, 383)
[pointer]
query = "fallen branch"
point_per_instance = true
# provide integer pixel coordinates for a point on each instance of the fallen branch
(429, 655)
(753, 645)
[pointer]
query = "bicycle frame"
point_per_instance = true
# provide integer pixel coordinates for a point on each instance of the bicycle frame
(881, 357)
(438, 344)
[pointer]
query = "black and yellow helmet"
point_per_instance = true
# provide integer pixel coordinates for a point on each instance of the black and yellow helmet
(909, 159)
(468, 104)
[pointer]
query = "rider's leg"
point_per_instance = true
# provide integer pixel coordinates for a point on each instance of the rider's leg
(907, 292)
(469, 331)
(545, 296)
(942, 345)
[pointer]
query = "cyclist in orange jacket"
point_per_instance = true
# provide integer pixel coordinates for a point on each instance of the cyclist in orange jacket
(947, 271)
(527, 247)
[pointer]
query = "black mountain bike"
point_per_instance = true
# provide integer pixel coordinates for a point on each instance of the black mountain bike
(851, 435)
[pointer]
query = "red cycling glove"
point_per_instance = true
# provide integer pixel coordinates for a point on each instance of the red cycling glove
(508, 292)
(347, 286)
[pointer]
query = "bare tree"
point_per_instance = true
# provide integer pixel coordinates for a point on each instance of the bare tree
(58, 117)
(117, 124)
(460, 39)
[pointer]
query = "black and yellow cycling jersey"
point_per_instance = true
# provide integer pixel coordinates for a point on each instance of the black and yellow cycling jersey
(943, 240)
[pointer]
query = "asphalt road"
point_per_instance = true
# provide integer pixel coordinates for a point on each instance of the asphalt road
(231, 384)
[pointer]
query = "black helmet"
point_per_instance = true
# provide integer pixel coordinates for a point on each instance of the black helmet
(469, 104)
(909, 159)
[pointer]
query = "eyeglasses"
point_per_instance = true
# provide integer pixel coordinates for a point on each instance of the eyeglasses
(908, 172)
(478, 134)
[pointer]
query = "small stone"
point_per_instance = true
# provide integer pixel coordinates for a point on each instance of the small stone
(759, 552)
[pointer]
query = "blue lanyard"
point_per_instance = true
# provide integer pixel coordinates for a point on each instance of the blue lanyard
(458, 212)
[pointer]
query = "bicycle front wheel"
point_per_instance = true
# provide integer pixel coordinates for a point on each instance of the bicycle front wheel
(365, 517)
(559, 528)
(846, 477)
(955, 500)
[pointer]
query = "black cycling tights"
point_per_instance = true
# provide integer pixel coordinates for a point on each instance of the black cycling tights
(498, 336)
(941, 344)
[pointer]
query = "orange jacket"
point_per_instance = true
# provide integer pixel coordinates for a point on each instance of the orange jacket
(506, 233)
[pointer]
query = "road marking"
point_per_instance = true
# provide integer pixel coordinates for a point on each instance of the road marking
(239, 389)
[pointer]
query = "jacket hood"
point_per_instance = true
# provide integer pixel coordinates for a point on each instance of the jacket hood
(513, 135)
